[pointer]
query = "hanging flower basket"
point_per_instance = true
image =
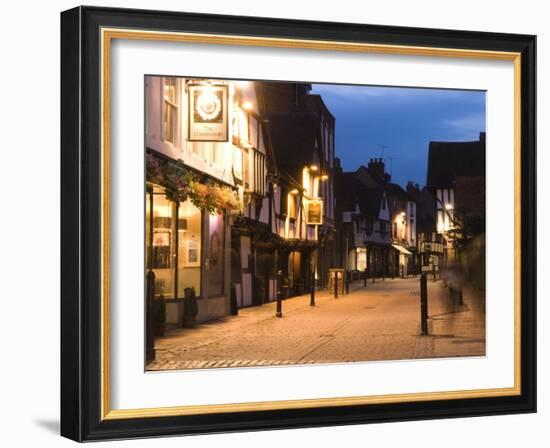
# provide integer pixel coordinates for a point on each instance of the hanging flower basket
(180, 185)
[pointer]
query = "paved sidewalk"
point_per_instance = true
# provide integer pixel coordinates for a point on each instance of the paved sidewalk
(379, 322)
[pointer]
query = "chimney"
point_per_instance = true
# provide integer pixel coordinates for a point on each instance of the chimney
(412, 188)
(376, 167)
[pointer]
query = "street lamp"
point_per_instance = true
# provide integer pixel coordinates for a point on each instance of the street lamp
(315, 266)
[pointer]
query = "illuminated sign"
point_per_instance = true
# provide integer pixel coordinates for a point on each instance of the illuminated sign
(208, 117)
(315, 212)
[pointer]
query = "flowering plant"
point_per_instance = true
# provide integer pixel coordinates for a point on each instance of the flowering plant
(180, 184)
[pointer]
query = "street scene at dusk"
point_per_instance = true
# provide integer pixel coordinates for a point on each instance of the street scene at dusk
(300, 223)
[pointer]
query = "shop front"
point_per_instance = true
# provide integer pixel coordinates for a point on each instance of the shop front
(187, 252)
(402, 262)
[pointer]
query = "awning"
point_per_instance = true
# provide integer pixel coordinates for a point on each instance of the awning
(401, 249)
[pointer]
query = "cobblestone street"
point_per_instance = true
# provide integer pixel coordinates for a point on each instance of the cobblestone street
(379, 322)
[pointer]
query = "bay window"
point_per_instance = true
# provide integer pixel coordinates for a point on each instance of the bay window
(173, 246)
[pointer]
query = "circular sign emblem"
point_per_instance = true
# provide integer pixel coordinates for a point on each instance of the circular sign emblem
(208, 105)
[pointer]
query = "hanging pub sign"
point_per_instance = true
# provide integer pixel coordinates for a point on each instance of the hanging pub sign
(315, 212)
(208, 116)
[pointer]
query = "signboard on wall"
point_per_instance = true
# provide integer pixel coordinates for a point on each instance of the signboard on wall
(314, 213)
(208, 113)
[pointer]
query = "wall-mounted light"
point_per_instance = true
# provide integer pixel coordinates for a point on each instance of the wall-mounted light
(247, 105)
(449, 206)
(294, 191)
(313, 168)
(324, 177)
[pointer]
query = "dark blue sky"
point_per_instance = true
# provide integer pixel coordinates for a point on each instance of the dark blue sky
(404, 120)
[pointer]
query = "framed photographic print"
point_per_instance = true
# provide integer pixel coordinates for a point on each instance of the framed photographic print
(276, 224)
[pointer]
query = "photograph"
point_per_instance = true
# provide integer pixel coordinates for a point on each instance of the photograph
(280, 224)
(292, 223)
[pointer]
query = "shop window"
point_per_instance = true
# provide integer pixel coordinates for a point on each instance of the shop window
(173, 247)
(215, 259)
(162, 253)
(189, 248)
(170, 109)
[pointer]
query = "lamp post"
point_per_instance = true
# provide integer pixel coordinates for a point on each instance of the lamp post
(316, 260)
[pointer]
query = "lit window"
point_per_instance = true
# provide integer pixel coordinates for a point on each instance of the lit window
(292, 206)
(170, 109)
(189, 248)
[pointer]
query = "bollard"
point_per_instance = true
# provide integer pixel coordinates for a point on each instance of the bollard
(423, 305)
(348, 275)
(460, 296)
(279, 312)
(335, 284)
(366, 279)
(312, 289)
(233, 306)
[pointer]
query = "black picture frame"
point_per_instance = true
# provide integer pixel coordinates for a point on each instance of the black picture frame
(81, 215)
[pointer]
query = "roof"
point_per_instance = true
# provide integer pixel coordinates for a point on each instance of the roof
(293, 136)
(370, 201)
(398, 191)
(448, 160)
(346, 191)
(351, 191)
(313, 99)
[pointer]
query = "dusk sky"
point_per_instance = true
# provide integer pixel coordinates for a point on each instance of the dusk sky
(404, 120)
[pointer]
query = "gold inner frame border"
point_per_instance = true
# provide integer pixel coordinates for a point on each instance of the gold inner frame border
(107, 35)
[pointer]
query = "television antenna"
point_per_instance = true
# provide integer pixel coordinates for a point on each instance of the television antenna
(382, 148)
(391, 164)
